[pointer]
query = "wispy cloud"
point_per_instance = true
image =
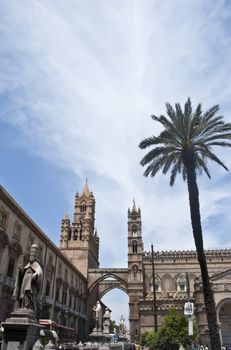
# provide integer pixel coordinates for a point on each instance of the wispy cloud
(78, 82)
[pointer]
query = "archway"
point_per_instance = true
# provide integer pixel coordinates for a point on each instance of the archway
(117, 301)
(102, 282)
(224, 316)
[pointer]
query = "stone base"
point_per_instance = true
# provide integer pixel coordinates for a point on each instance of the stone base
(122, 338)
(21, 330)
(22, 315)
(96, 336)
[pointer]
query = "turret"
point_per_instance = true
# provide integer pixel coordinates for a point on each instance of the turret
(65, 231)
(78, 240)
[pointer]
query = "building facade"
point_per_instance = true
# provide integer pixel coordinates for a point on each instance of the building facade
(177, 279)
(73, 281)
(64, 287)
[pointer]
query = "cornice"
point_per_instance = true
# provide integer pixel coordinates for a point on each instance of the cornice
(187, 254)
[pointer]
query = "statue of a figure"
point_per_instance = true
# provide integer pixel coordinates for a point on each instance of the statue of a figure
(106, 321)
(98, 316)
(28, 281)
(122, 326)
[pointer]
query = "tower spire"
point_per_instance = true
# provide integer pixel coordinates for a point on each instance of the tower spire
(134, 205)
(86, 191)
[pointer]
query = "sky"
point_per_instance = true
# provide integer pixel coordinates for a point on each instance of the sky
(78, 83)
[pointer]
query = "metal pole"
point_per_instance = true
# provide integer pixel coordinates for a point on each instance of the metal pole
(188, 286)
(154, 292)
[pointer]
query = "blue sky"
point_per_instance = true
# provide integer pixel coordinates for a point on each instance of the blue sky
(78, 83)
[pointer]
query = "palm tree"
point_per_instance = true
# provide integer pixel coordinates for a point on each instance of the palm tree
(184, 146)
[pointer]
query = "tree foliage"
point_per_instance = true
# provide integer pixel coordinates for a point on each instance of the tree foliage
(184, 132)
(113, 326)
(172, 333)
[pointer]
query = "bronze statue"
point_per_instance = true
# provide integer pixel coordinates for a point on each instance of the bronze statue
(28, 281)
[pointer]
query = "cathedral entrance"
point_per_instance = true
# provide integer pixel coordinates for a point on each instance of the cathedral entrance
(224, 313)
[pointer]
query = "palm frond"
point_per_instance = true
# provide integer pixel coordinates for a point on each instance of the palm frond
(185, 132)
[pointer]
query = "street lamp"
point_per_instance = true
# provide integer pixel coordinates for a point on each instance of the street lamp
(154, 292)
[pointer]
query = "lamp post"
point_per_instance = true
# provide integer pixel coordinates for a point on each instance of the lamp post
(154, 292)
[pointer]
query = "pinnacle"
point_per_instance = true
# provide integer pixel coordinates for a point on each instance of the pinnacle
(134, 206)
(86, 191)
(66, 217)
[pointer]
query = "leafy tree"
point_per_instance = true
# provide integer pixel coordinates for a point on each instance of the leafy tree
(185, 146)
(113, 326)
(150, 339)
(172, 333)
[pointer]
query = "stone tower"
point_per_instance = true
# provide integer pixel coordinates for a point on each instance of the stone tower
(135, 269)
(79, 241)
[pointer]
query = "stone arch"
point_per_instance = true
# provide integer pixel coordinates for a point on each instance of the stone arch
(119, 279)
(108, 288)
(223, 309)
(167, 283)
(157, 283)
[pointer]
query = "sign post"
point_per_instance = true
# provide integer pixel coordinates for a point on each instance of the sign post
(189, 312)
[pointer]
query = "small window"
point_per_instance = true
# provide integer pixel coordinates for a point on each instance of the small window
(17, 229)
(81, 232)
(57, 293)
(3, 218)
(64, 297)
(30, 241)
(134, 231)
(10, 270)
(50, 260)
(181, 284)
(69, 235)
(83, 208)
(70, 300)
(157, 284)
(48, 288)
(134, 247)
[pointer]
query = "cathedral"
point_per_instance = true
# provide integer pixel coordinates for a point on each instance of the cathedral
(155, 282)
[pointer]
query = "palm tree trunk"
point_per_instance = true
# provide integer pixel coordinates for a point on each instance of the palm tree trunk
(197, 233)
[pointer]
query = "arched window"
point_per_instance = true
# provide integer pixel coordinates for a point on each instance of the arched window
(157, 284)
(134, 231)
(135, 270)
(75, 235)
(83, 208)
(134, 247)
(181, 284)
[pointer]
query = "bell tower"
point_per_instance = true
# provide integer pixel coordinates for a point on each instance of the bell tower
(135, 269)
(79, 241)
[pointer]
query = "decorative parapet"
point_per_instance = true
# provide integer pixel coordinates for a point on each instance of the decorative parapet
(218, 254)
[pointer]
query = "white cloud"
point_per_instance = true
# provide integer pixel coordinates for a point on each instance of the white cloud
(79, 81)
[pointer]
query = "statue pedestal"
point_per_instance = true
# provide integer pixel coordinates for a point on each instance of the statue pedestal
(21, 330)
(122, 337)
(96, 336)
